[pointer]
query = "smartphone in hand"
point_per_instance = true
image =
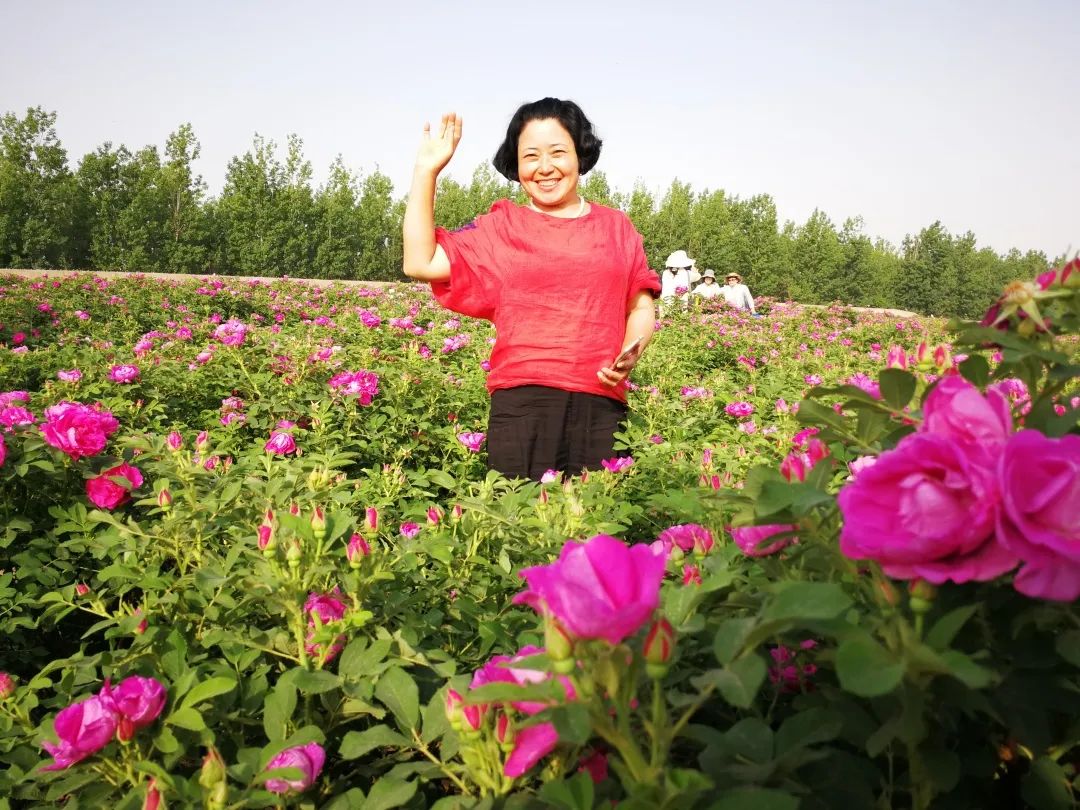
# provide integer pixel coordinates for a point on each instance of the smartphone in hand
(627, 354)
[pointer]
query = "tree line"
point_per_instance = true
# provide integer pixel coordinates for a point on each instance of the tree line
(147, 211)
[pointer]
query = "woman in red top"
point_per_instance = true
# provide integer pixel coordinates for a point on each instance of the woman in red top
(565, 282)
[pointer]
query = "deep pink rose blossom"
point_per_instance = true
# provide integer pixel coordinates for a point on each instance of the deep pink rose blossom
(1040, 516)
(124, 374)
(327, 608)
(688, 537)
(472, 441)
(308, 759)
(83, 728)
(105, 493)
(597, 589)
(926, 509)
(957, 410)
(753, 540)
(78, 429)
(136, 699)
(280, 444)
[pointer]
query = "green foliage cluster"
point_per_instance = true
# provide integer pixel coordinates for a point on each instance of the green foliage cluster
(148, 212)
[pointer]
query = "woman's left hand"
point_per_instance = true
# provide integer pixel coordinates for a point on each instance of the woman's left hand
(612, 377)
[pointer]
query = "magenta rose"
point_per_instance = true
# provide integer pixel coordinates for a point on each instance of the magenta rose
(761, 541)
(597, 589)
(308, 759)
(105, 493)
(1040, 516)
(3, 451)
(926, 509)
(136, 699)
(124, 374)
(532, 743)
(14, 416)
(326, 607)
(280, 444)
(83, 728)
(78, 429)
(957, 410)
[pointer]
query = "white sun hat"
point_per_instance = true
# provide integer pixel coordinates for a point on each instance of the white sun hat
(679, 259)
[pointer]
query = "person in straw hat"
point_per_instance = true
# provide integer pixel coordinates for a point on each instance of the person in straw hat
(708, 288)
(737, 294)
(677, 278)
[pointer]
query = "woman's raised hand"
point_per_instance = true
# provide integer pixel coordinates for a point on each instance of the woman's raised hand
(437, 149)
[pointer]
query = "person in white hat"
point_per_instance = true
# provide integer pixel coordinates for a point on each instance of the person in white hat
(737, 294)
(677, 278)
(708, 288)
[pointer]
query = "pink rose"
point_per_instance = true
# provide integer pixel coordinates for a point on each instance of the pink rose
(751, 538)
(15, 416)
(325, 608)
(472, 441)
(136, 699)
(83, 728)
(597, 589)
(617, 465)
(957, 410)
(308, 759)
(280, 444)
(1040, 516)
(106, 493)
(926, 509)
(124, 374)
(78, 429)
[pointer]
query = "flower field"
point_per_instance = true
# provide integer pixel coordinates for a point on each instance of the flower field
(251, 556)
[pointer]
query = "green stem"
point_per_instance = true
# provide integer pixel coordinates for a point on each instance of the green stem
(453, 777)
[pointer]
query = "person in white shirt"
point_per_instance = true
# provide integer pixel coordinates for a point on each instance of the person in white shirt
(737, 294)
(677, 278)
(708, 288)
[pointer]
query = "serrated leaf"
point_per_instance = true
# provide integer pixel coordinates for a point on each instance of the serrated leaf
(398, 692)
(897, 387)
(945, 629)
(730, 637)
(187, 718)
(211, 687)
(807, 601)
(389, 792)
(357, 743)
(867, 669)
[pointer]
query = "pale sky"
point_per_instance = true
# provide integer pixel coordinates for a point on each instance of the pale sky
(904, 113)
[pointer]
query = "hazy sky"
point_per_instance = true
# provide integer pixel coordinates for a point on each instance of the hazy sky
(904, 113)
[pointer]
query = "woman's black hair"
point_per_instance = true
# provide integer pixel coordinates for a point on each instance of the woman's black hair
(567, 113)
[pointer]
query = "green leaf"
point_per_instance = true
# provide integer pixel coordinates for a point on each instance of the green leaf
(360, 658)
(575, 793)
(389, 792)
(964, 669)
(976, 370)
(756, 799)
(315, 682)
(816, 725)
(1068, 646)
(397, 691)
(1046, 787)
(278, 708)
(897, 387)
(187, 718)
(211, 687)
(945, 629)
(807, 601)
(357, 743)
(730, 637)
(740, 681)
(572, 723)
(752, 738)
(867, 669)
(434, 721)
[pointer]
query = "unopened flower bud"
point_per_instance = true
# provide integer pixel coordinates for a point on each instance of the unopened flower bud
(81, 589)
(456, 512)
(505, 733)
(202, 442)
(153, 796)
(472, 720)
(357, 549)
(267, 541)
(659, 648)
(125, 729)
(371, 520)
(942, 357)
(454, 704)
(164, 500)
(7, 686)
(213, 769)
(434, 515)
(921, 595)
(888, 593)
(174, 441)
(559, 645)
(318, 523)
(294, 509)
(140, 628)
(293, 554)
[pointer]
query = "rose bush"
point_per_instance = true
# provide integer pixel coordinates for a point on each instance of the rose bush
(689, 630)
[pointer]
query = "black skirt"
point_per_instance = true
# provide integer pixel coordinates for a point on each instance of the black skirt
(534, 428)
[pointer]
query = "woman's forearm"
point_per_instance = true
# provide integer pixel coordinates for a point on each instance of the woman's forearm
(641, 320)
(418, 226)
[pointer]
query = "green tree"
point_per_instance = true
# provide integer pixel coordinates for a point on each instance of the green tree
(378, 225)
(596, 188)
(339, 239)
(929, 276)
(817, 261)
(671, 225)
(186, 246)
(38, 195)
(106, 182)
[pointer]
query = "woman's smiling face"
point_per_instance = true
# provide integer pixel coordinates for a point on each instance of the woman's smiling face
(548, 165)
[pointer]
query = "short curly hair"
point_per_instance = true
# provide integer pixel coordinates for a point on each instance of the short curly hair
(567, 113)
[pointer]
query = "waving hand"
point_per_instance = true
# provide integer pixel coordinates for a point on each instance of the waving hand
(437, 149)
